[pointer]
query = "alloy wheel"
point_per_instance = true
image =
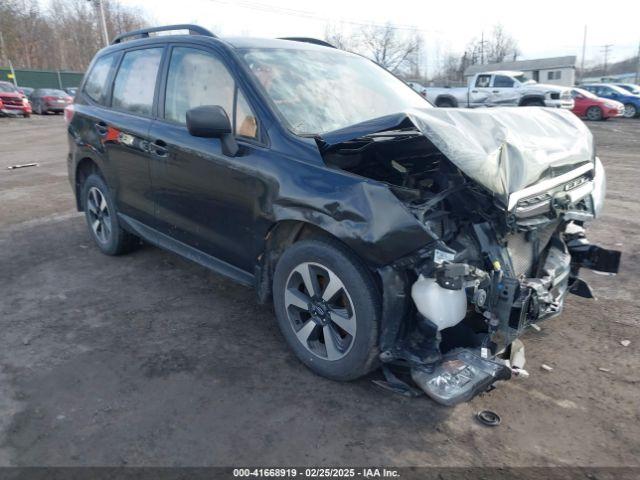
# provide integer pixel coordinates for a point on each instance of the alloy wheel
(630, 111)
(594, 113)
(99, 215)
(320, 311)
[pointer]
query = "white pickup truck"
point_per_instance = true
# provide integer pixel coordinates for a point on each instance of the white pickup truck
(501, 88)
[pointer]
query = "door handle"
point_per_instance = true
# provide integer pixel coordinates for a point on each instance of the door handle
(158, 148)
(102, 128)
(495, 91)
(474, 91)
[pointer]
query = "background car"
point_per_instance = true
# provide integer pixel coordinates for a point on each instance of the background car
(71, 91)
(15, 103)
(26, 91)
(592, 107)
(630, 101)
(630, 87)
(45, 100)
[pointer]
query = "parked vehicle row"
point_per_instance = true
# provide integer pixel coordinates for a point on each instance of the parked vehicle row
(22, 101)
(630, 100)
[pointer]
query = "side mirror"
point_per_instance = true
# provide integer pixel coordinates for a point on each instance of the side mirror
(211, 121)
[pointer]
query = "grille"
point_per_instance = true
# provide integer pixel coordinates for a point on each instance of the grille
(14, 102)
(521, 249)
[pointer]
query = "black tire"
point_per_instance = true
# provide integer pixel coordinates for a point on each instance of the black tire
(631, 111)
(360, 353)
(594, 113)
(111, 240)
(533, 103)
(37, 109)
(26, 115)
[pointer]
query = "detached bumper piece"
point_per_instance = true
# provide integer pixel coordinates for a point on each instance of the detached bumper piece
(460, 377)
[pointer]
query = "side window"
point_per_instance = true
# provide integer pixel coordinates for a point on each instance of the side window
(483, 81)
(136, 80)
(198, 78)
(96, 85)
(502, 81)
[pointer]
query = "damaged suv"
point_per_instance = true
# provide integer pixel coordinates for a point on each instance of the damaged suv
(386, 232)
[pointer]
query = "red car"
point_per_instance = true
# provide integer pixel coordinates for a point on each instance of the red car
(592, 107)
(14, 103)
(45, 100)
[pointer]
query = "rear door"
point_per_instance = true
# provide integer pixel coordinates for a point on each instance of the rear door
(205, 199)
(480, 91)
(503, 91)
(124, 129)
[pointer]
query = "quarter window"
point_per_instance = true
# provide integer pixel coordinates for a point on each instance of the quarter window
(96, 85)
(198, 78)
(136, 79)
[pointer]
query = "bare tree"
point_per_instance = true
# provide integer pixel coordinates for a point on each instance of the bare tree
(501, 46)
(383, 44)
(63, 37)
(337, 37)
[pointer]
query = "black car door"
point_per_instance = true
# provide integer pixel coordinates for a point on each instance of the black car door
(124, 129)
(204, 198)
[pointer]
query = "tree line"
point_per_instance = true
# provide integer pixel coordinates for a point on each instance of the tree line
(64, 36)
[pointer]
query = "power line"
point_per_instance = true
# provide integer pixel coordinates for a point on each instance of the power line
(314, 16)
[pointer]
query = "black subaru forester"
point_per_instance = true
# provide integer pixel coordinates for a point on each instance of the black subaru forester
(387, 232)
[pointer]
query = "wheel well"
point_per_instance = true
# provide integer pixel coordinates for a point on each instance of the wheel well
(85, 167)
(281, 236)
(529, 100)
(446, 100)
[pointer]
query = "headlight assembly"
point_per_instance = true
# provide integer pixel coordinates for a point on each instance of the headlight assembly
(599, 188)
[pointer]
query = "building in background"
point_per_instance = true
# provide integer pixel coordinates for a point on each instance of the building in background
(556, 70)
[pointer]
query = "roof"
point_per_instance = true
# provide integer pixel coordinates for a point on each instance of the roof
(568, 61)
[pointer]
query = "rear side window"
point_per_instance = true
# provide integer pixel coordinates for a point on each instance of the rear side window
(135, 81)
(502, 81)
(96, 85)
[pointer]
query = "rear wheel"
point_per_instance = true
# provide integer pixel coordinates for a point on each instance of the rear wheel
(630, 110)
(102, 218)
(327, 307)
(534, 103)
(594, 113)
(38, 108)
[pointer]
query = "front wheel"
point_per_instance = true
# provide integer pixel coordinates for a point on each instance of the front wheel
(630, 110)
(102, 219)
(594, 113)
(328, 308)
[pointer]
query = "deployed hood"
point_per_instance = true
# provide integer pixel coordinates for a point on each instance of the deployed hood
(502, 149)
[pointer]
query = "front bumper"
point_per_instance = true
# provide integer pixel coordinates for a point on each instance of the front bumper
(560, 103)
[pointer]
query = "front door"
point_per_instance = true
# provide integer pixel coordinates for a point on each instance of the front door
(204, 198)
(480, 92)
(504, 91)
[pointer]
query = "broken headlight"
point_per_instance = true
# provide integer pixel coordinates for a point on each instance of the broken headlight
(459, 377)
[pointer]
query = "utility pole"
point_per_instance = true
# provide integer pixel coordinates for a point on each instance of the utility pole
(103, 22)
(482, 48)
(3, 57)
(605, 49)
(584, 48)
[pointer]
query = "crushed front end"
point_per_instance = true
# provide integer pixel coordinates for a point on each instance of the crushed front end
(500, 260)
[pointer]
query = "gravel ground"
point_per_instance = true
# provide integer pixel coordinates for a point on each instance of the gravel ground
(148, 359)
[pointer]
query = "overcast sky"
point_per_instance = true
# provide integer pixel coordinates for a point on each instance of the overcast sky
(541, 27)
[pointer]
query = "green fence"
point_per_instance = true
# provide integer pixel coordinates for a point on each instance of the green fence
(42, 78)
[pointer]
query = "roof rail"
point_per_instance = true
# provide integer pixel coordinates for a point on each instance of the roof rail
(315, 41)
(144, 32)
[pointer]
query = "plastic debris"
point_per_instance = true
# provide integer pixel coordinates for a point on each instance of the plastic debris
(546, 367)
(536, 327)
(625, 343)
(24, 165)
(606, 370)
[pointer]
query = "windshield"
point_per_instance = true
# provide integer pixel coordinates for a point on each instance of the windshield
(7, 87)
(321, 90)
(632, 88)
(522, 78)
(585, 93)
(619, 90)
(53, 92)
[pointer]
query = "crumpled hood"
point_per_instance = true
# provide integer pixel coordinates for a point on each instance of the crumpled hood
(503, 149)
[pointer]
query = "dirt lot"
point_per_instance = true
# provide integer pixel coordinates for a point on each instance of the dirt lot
(148, 359)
